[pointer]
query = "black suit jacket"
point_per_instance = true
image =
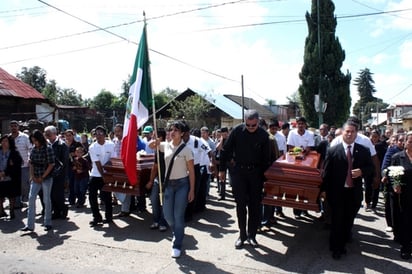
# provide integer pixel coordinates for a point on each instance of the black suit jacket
(335, 170)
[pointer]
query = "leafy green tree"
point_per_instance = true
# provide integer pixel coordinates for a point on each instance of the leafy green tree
(321, 73)
(51, 91)
(164, 97)
(69, 97)
(192, 108)
(35, 77)
(367, 103)
(103, 102)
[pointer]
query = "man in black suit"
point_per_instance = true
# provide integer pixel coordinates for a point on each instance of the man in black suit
(345, 165)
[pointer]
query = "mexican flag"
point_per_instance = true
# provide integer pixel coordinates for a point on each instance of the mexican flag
(137, 108)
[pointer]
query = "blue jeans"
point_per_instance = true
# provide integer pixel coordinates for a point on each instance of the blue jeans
(46, 187)
(157, 211)
(175, 202)
(80, 189)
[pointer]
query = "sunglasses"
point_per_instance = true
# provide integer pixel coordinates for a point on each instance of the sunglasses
(251, 126)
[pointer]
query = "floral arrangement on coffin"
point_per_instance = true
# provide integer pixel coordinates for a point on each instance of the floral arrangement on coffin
(297, 152)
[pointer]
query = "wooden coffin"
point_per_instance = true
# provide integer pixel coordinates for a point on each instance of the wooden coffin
(115, 178)
(294, 182)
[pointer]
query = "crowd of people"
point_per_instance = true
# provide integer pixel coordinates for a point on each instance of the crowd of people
(65, 169)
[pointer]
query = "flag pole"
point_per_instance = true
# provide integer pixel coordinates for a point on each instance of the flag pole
(155, 127)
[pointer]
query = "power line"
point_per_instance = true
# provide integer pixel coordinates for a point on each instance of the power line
(399, 93)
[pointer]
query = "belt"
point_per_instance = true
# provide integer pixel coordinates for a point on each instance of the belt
(247, 166)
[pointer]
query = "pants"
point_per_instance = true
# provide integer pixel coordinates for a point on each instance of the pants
(175, 202)
(80, 189)
(95, 186)
(343, 216)
(247, 190)
(57, 197)
(157, 209)
(35, 188)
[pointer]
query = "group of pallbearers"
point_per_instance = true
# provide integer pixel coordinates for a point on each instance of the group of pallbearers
(347, 164)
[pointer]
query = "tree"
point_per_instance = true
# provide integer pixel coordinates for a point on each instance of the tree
(193, 107)
(35, 77)
(103, 102)
(321, 73)
(367, 103)
(69, 97)
(51, 91)
(164, 97)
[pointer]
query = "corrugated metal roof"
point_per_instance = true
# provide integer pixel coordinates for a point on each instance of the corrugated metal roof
(252, 104)
(223, 103)
(12, 86)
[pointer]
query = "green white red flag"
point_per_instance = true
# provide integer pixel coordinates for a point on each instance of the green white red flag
(137, 108)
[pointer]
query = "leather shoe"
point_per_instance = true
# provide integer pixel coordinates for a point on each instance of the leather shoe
(336, 255)
(26, 228)
(239, 243)
(253, 242)
(47, 227)
(95, 222)
(405, 255)
(123, 214)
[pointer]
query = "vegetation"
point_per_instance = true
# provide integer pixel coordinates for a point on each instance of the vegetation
(367, 103)
(321, 73)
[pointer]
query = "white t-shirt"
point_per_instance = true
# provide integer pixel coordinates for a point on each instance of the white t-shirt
(199, 151)
(360, 139)
(101, 153)
(281, 141)
(304, 141)
(24, 147)
(179, 169)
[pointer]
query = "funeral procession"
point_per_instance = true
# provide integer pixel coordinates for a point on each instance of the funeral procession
(244, 136)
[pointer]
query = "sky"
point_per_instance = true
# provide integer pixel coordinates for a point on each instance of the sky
(203, 45)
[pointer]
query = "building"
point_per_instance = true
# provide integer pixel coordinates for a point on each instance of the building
(19, 101)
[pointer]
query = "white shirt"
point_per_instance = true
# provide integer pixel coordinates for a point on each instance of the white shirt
(281, 141)
(23, 146)
(200, 151)
(101, 153)
(304, 141)
(360, 139)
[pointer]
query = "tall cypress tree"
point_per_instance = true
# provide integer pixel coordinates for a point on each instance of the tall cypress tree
(321, 73)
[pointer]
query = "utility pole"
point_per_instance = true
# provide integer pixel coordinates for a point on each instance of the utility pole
(320, 102)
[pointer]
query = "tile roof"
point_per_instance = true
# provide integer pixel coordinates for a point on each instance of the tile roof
(12, 86)
(250, 103)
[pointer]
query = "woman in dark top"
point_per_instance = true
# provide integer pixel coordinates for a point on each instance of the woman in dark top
(403, 193)
(10, 173)
(41, 161)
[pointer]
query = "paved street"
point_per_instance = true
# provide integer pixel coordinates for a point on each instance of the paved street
(129, 246)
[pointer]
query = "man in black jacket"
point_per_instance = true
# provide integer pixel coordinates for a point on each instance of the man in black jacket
(59, 207)
(345, 165)
(248, 144)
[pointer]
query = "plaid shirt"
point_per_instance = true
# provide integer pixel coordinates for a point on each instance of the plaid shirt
(40, 158)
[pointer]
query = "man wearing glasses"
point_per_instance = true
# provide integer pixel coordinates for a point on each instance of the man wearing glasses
(249, 146)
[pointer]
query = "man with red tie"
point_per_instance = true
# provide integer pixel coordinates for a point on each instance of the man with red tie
(345, 165)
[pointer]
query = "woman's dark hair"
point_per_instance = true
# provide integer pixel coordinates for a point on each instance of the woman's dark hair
(38, 135)
(12, 144)
(180, 125)
(161, 133)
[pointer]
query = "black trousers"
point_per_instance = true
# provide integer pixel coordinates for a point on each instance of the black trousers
(344, 211)
(95, 187)
(247, 187)
(59, 207)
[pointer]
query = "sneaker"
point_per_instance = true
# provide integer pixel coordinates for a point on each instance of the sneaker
(176, 253)
(162, 228)
(389, 229)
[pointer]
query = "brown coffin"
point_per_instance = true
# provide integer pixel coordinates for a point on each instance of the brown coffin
(115, 178)
(292, 182)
